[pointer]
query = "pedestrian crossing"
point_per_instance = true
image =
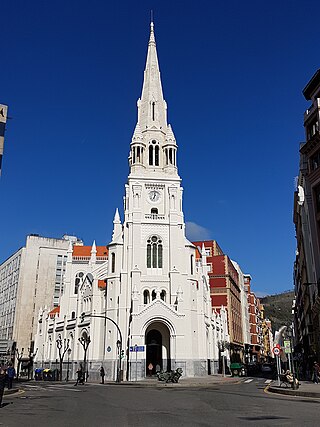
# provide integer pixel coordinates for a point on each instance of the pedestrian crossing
(249, 380)
(50, 387)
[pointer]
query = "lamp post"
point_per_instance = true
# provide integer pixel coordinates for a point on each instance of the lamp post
(69, 352)
(118, 343)
(85, 340)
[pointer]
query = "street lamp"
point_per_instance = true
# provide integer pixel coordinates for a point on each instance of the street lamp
(119, 342)
(69, 352)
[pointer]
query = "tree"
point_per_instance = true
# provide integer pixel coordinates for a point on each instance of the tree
(63, 346)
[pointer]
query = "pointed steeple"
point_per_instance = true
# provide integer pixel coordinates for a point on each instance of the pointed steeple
(117, 228)
(93, 253)
(152, 108)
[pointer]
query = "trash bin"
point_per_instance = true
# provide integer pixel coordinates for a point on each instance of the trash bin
(237, 369)
(47, 375)
(55, 375)
(38, 374)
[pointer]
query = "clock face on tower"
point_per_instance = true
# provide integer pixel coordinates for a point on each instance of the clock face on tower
(154, 195)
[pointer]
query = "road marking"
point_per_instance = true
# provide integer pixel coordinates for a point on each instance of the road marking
(248, 381)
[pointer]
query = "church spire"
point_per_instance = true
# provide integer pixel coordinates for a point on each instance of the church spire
(152, 108)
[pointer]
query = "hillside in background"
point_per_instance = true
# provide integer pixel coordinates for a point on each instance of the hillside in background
(278, 308)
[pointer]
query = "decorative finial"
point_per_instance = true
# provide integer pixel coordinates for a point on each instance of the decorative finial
(151, 16)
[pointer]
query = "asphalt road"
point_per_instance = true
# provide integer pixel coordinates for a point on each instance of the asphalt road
(240, 404)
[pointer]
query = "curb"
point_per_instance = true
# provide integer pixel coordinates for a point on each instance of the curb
(11, 391)
(290, 392)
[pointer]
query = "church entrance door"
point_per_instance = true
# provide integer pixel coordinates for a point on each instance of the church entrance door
(158, 348)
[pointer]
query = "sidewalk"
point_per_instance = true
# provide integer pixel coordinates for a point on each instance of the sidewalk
(206, 381)
(306, 389)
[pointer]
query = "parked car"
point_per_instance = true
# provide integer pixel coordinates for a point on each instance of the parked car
(267, 367)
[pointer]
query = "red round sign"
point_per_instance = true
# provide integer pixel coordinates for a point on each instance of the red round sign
(276, 351)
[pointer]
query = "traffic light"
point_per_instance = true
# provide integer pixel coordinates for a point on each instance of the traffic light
(122, 354)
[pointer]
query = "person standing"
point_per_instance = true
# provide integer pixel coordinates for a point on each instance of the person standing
(316, 368)
(150, 369)
(102, 374)
(80, 375)
(11, 373)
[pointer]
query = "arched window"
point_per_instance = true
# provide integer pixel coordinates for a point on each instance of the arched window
(191, 264)
(153, 295)
(77, 282)
(73, 315)
(153, 105)
(166, 153)
(170, 156)
(146, 297)
(113, 262)
(163, 295)
(156, 156)
(154, 252)
(150, 155)
(154, 211)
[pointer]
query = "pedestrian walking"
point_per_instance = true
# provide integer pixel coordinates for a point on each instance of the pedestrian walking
(11, 373)
(80, 376)
(150, 369)
(316, 369)
(102, 374)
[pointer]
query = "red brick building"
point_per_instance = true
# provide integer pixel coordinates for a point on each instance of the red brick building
(255, 319)
(225, 290)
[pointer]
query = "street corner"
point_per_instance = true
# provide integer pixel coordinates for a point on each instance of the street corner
(305, 389)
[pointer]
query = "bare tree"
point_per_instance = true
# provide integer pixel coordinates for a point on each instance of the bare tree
(62, 346)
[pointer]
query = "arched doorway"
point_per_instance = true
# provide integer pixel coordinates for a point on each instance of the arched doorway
(157, 340)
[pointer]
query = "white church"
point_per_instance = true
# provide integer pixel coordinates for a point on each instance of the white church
(142, 299)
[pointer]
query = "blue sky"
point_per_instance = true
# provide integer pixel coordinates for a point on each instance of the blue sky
(232, 74)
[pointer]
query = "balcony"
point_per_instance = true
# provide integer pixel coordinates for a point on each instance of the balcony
(154, 217)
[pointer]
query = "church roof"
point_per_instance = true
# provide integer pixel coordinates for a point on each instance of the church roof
(86, 251)
(54, 312)
(101, 284)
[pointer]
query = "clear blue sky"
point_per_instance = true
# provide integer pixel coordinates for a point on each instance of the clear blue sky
(232, 74)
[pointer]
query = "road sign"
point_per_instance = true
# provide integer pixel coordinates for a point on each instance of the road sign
(137, 348)
(278, 346)
(276, 351)
(287, 347)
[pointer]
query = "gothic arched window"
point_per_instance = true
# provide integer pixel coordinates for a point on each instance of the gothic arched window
(150, 155)
(77, 281)
(156, 155)
(146, 297)
(163, 295)
(153, 295)
(113, 262)
(154, 252)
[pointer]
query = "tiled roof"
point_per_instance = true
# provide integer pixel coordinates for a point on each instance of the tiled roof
(54, 312)
(101, 284)
(86, 251)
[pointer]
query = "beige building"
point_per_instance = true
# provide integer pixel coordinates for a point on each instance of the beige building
(29, 279)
